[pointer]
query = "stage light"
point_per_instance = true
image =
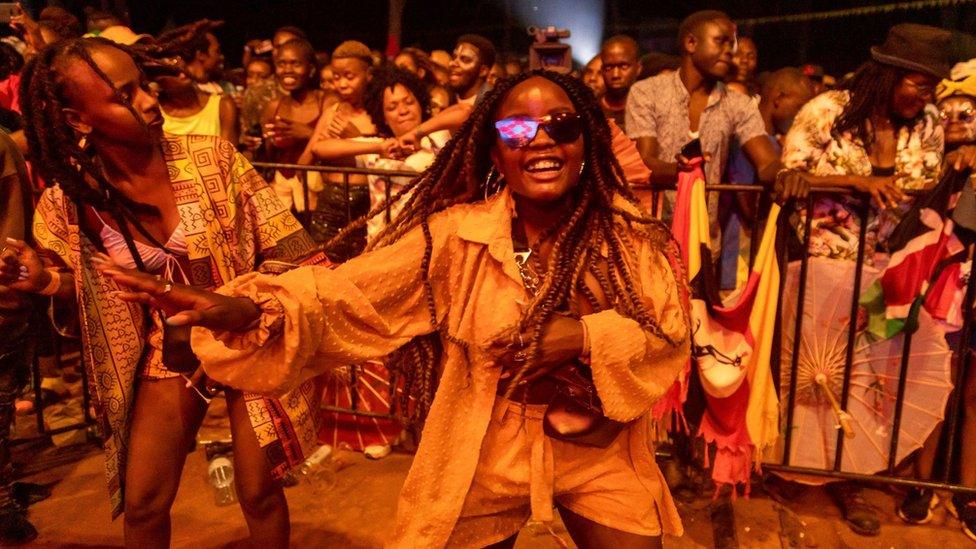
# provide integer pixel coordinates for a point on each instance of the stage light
(583, 18)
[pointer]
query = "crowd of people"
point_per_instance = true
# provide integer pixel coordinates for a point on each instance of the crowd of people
(528, 271)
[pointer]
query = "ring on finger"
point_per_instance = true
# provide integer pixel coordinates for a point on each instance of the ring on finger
(520, 357)
(167, 288)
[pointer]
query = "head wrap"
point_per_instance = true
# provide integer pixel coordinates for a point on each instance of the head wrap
(962, 81)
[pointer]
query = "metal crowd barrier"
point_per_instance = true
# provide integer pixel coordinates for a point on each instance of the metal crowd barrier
(789, 406)
(954, 409)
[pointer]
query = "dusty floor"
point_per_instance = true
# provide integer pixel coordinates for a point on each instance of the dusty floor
(358, 510)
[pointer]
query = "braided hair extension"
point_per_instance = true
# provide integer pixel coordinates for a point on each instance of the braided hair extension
(53, 144)
(871, 89)
(459, 174)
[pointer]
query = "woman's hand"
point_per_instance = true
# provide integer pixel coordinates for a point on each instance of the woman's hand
(21, 268)
(284, 128)
(182, 305)
(561, 342)
(963, 158)
(883, 189)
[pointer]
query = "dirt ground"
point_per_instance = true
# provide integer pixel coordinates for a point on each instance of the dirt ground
(357, 511)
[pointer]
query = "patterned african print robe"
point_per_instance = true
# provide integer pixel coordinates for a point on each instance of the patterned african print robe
(232, 221)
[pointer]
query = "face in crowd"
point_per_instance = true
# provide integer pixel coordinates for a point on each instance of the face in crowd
(913, 92)
(326, 79)
(788, 102)
(258, 70)
(211, 61)
(349, 77)
(131, 116)
(710, 48)
(593, 76)
(620, 67)
(440, 99)
(293, 68)
(401, 109)
(958, 114)
(496, 73)
(545, 167)
(745, 59)
(466, 68)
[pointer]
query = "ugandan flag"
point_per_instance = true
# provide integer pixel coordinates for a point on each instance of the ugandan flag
(733, 341)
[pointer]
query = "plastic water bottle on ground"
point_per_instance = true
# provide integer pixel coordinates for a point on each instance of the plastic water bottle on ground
(221, 473)
(318, 470)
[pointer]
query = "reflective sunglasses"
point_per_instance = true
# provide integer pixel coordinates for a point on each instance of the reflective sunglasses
(517, 132)
(966, 115)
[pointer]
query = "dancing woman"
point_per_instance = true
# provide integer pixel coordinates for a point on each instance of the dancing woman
(491, 291)
(185, 209)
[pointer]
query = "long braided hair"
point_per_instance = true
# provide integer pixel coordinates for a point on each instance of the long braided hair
(54, 146)
(871, 89)
(461, 174)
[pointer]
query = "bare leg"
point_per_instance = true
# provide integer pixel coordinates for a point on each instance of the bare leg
(925, 461)
(165, 419)
(262, 498)
(588, 534)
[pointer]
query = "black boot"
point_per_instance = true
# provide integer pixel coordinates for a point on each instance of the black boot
(858, 514)
(15, 529)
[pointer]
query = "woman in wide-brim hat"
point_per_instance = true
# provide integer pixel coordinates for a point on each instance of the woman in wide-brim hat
(878, 135)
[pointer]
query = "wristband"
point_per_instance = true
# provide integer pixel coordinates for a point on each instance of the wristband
(54, 285)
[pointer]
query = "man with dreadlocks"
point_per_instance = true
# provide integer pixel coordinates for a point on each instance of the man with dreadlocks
(520, 270)
(181, 208)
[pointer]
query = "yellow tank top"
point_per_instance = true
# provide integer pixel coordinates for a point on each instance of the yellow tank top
(205, 122)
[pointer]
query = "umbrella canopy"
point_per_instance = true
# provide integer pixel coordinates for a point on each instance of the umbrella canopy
(367, 387)
(875, 372)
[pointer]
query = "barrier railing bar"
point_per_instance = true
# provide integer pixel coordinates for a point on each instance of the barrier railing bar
(900, 400)
(798, 330)
(863, 213)
(962, 365)
(880, 479)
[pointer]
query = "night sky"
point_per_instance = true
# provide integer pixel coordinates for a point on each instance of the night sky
(840, 44)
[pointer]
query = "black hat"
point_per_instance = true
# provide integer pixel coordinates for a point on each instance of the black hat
(919, 48)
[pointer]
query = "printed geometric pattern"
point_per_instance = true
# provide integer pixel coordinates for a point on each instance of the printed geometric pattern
(232, 221)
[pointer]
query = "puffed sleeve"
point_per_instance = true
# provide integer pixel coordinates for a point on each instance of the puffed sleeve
(632, 367)
(316, 318)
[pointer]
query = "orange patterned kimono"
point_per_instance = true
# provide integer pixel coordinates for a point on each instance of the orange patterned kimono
(232, 221)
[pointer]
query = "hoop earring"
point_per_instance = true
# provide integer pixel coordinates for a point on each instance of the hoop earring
(489, 188)
(582, 167)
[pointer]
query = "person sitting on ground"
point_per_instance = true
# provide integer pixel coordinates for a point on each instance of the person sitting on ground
(593, 76)
(620, 66)
(470, 66)
(289, 120)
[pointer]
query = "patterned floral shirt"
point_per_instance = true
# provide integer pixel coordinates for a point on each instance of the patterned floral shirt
(812, 146)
